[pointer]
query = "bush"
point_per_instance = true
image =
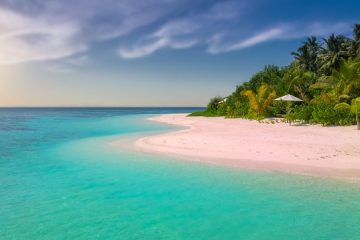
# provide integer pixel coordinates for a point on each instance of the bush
(203, 114)
(213, 105)
(237, 108)
(344, 117)
(301, 112)
(277, 107)
(327, 114)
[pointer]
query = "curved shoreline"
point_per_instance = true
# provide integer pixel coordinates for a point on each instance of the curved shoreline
(240, 143)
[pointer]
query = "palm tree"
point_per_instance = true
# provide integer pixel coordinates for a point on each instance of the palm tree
(347, 79)
(261, 100)
(297, 81)
(307, 54)
(357, 32)
(334, 53)
(356, 45)
(342, 84)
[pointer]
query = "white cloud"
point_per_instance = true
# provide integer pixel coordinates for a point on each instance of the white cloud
(78, 61)
(67, 65)
(177, 28)
(259, 38)
(317, 29)
(27, 39)
(226, 10)
(215, 45)
(50, 30)
(171, 35)
(217, 30)
(142, 50)
(218, 44)
(40, 30)
(183, 44)
(184, 32)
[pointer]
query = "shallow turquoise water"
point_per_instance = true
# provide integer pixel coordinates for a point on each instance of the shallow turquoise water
(60, 178)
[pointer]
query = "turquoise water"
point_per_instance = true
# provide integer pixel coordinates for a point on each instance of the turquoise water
(61, 178)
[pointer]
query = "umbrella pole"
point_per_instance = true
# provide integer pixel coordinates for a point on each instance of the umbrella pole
(288, 110)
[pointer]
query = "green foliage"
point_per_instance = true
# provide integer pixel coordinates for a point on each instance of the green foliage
(345, 82)
(335, 52)
(216, 107)
(213, 105)
(327, 114)
(355, 105)
(342, 105)
(324, 74)
(354, 50)
(355, 108)
(301, 112)
(261, 100)
(271, 75)
(306, 55)
(237, 107)
(277, 108)
(298, 81)
(203, 114)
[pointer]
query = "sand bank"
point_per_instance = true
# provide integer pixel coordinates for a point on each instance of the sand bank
(333, 151)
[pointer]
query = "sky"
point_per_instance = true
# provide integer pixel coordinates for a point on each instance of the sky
(153, 52)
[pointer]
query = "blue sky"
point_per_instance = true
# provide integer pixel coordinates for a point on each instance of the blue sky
(150, 53)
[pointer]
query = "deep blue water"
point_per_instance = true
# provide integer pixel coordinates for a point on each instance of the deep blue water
(61, 177)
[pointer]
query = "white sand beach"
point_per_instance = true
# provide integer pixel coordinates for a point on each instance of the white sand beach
(311, 149)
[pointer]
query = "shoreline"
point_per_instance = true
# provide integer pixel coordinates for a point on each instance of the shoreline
(239, 143)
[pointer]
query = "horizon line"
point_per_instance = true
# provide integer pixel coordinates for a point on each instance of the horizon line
(102, 106)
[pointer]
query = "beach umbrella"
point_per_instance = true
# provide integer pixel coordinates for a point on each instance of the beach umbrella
(223, 100)
(289, 98)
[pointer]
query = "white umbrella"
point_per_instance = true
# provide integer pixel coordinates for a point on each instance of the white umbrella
(289, 98)
(224, 100)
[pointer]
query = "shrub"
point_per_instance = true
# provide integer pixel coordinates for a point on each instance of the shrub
(301, 112)
(276, 107)
(327, 114)
(213, 105)
(203, 114)
(237, 109)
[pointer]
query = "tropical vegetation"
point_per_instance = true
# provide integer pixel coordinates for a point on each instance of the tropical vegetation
(325, 74)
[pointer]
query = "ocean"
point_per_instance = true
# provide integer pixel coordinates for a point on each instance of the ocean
(62, 177)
